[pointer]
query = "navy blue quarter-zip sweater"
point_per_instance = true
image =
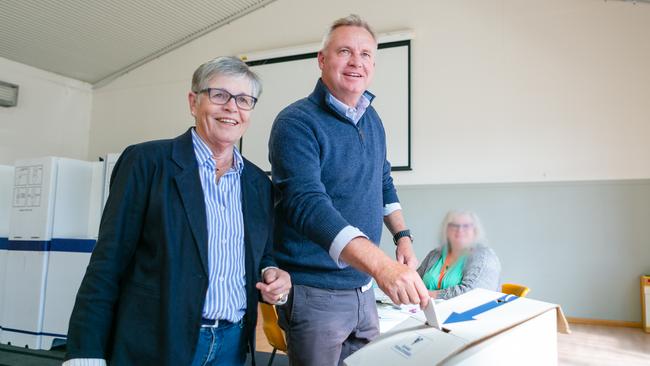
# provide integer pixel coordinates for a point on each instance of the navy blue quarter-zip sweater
(330, 173)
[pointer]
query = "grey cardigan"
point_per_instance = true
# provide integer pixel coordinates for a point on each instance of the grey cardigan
(482, 269)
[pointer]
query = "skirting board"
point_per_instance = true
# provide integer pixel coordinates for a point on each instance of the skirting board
(605, 322)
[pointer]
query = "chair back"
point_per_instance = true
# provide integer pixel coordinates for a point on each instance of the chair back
(514, 289)
(272, 330)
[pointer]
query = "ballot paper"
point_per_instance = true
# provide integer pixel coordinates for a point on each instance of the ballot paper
(430, 313)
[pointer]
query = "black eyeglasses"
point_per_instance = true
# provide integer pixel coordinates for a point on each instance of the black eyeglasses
(222, 96)
(464, 227)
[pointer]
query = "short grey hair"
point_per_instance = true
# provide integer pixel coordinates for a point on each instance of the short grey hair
(228, 66)
(479, 231)
(352, 20)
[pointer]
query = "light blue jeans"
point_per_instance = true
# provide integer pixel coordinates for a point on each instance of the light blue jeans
(224, 345)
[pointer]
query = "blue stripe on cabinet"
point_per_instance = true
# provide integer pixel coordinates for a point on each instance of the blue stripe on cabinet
(73, 245)
(29, 245)
(54, 245)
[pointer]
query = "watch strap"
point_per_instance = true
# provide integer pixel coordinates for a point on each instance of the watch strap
(402, 234)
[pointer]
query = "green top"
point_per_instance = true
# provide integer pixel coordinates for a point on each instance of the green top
(453, 276)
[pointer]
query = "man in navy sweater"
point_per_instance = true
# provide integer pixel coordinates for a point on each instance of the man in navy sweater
(328, 156)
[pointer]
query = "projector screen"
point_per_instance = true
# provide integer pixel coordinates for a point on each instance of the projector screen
(287, 79)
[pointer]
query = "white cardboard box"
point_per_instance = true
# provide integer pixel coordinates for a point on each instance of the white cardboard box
(488, 332)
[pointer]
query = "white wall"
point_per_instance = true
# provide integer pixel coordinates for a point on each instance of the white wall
(504, 90)
(52, 116)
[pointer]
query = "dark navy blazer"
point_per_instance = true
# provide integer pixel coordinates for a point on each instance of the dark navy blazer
(142, 296)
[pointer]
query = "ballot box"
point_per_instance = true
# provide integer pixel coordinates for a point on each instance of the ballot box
(6, 187)
(480, 327)
(53, 228)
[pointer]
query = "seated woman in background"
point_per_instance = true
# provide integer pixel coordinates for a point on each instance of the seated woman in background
(462, 261)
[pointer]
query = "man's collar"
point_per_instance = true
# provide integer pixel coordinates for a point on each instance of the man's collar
(364, 101)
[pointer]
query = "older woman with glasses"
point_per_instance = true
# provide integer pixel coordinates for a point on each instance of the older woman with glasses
(462, 261)
(185, 244)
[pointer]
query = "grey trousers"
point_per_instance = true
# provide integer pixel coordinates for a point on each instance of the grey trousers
(324, 326)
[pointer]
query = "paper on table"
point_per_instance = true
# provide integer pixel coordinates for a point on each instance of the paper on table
(389, 317)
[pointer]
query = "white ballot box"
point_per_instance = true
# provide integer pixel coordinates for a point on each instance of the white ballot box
(52, 232)
(6, 188)
(480, 327)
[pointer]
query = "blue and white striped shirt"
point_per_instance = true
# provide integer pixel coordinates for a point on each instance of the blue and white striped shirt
(226, 296)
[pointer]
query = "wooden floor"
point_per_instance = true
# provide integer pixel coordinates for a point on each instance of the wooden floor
(588, 345)
(603, 345)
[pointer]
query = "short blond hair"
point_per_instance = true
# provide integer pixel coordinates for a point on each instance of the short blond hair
(352, 20)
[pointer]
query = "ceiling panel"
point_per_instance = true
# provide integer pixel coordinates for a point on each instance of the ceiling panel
(96, 40)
